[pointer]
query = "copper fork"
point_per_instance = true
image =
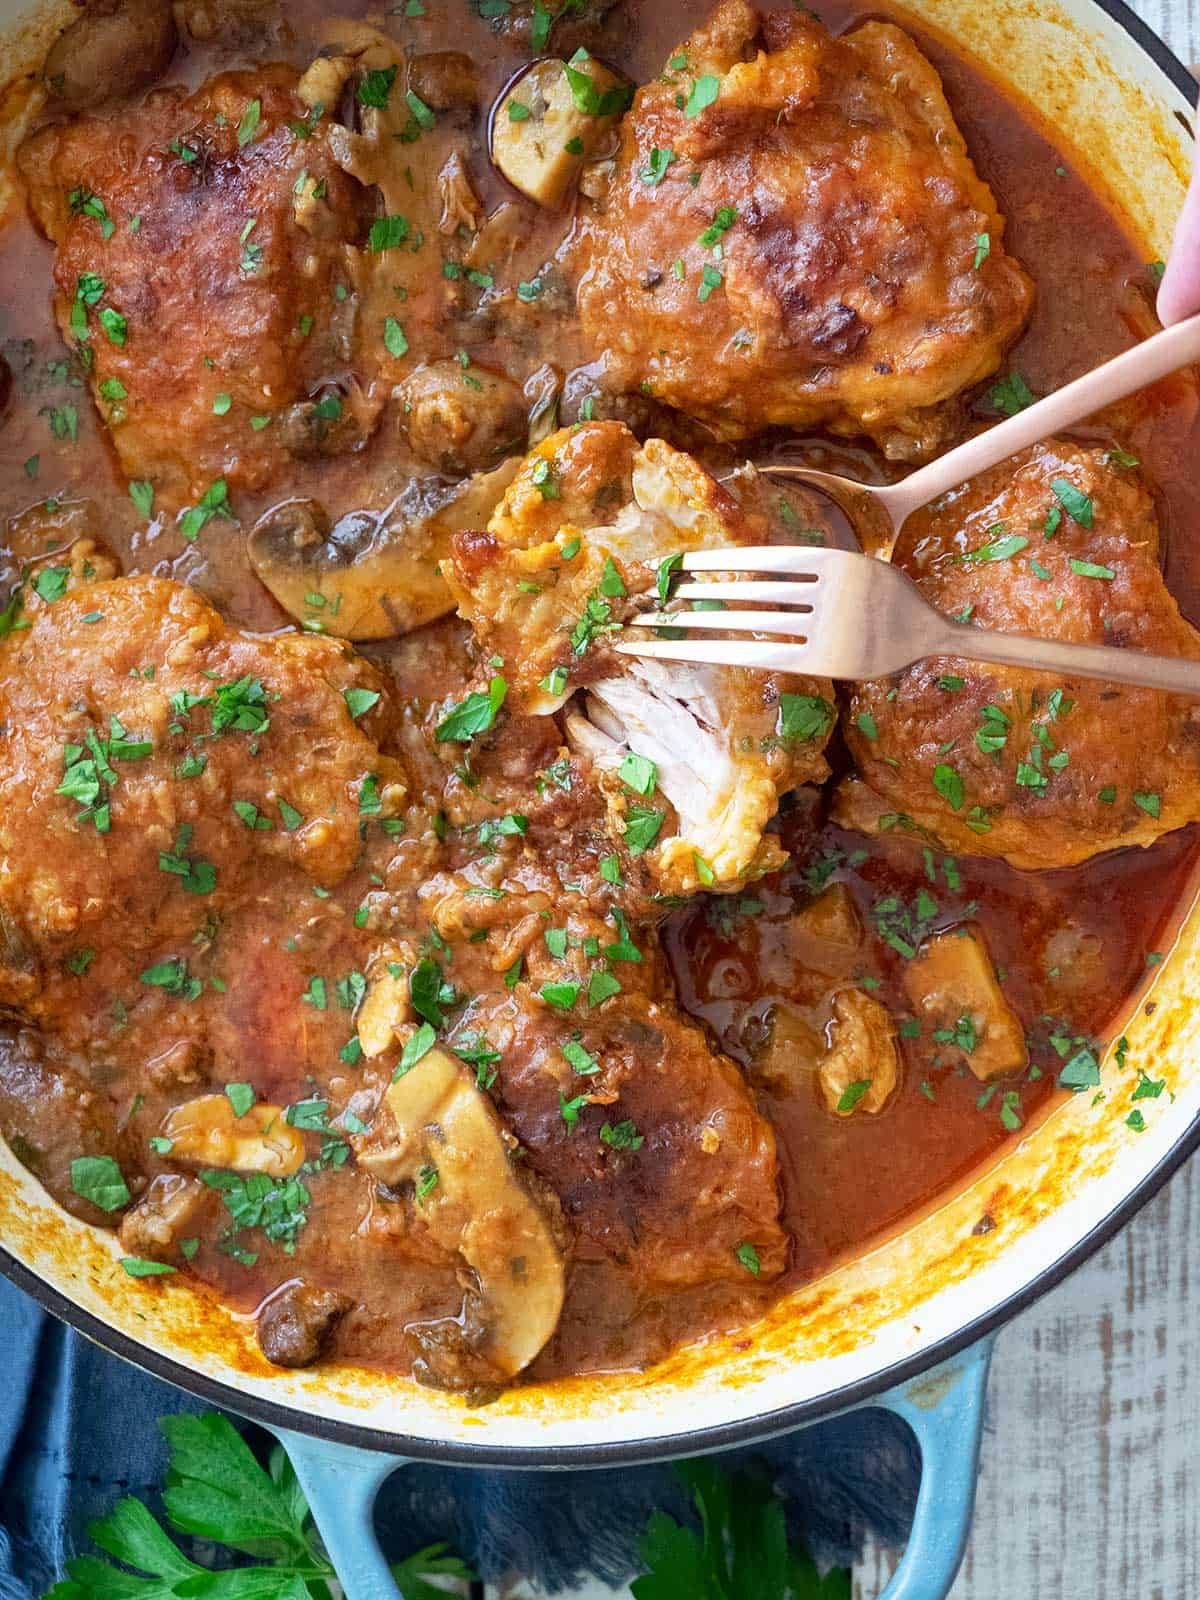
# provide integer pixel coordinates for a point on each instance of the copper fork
(852, 616)
(878, 512)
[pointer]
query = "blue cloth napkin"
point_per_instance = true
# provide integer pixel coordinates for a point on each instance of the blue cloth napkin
(78, 1429)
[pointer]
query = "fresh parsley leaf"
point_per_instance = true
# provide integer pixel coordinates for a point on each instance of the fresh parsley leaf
(949, 785)
(642, 827)
(248, 126)
(852, 1094)
(100, 1180)
(704, 91)
(748, 1256)
(804, 717)
(999, 549)
(394, 340)
(739, 1548)
(359, 701)
(474, 715)
(621, 1135)
(139, 1267)
(418, 1046)
(1011, 395)
(654, 173)
(387, 233)
(376, 86)
(589, 100)
(1075, 503)
(639, 773)
(429, 991)
(218, 1492)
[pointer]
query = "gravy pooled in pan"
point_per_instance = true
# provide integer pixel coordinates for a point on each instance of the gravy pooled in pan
(380, 949)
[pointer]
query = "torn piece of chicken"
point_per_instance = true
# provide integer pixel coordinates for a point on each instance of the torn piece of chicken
(954, 989)
(1040, 768)
(862, 1066)
(838, 261)
(574, 546)
(446, 1139)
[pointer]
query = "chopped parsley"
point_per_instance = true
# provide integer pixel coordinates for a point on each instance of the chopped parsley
(804, 717)
(474, 715)
(1078, 506)
(705, 90)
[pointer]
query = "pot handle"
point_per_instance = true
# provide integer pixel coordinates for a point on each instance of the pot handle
(340, 1485)
(944, 1408)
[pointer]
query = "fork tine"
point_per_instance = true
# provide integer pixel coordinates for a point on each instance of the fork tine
(787, 593)
(724, 653)
(802, 561)
(792, 623)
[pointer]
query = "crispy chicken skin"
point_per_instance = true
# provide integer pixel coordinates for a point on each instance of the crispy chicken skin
(159, 718)
(808, 256)
(218, 288)
(546, 587)
(1042, 770)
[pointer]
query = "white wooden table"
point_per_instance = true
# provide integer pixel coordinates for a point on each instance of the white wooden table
(1090, 1484)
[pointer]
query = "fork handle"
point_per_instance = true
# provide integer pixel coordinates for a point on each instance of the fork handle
(1155, 358)
(1171, 674)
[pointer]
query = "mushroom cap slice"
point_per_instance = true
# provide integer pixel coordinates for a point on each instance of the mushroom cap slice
(953, 985)
(478, 1206)
(374, 574)
(551, 120)
(863, 1056)
(207, 1132)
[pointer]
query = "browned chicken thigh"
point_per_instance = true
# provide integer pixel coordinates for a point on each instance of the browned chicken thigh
(201, 246)
(1043, 770)
(151, 756)
(796, 236)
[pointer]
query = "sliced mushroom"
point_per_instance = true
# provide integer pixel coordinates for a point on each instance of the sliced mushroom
(542, 136)
(953, 985)
(114, 49)
(386, 1007)
(459, 419)
(207, 1132)
(793, 1048)
(20, 971)
(862, 1050)
(330, 424)
(323, 81)
(375, 574)
(446, 1136)
(446, 80)
(61, 533)
(826, 936)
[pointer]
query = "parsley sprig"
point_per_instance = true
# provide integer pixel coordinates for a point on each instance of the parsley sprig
(218, 1492)
(741, 1547)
